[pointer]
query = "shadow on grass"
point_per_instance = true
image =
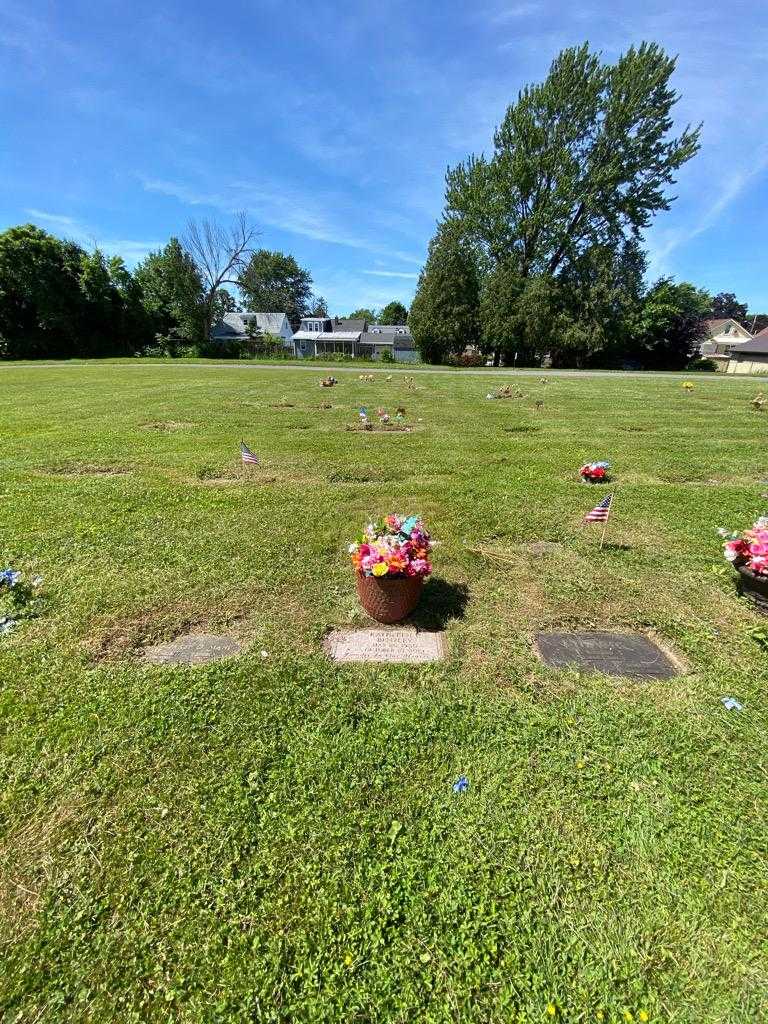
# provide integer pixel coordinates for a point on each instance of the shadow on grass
(440, 602)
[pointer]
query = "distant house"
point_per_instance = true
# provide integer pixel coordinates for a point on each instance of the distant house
(722, 337)
(241, 325)
(323, 336)
(752, 356)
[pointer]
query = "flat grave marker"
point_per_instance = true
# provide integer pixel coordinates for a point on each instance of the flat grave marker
(194, 649)
(389, 645)
(615, 654)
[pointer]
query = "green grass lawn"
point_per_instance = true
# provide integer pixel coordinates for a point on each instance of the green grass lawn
(276, 839)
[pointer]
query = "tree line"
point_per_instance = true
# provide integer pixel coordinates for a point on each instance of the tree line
(60, 301)
(539, 250)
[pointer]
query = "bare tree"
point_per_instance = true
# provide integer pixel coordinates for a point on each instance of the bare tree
(220, 255)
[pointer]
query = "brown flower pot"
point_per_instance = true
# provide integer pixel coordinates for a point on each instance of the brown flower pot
(754, 588)
(389, 598)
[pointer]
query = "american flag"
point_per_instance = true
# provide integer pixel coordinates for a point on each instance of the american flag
(247, 455)
(599, 513)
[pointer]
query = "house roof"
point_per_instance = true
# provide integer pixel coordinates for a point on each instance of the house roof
(715, 327)
(270, 323)
(342, 324)
(370, 338)
(755, 346)
(761, 334)
(326, 335)
(235, 324)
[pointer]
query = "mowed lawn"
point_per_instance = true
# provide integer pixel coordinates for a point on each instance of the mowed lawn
(275, 839)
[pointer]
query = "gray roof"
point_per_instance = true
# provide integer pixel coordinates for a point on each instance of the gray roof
(390, 328)
(755, 346)
(235, 324)
(342, 324)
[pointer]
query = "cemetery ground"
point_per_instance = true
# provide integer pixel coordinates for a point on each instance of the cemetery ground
(273, 837)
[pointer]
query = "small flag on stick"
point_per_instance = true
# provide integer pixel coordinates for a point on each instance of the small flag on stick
(247, 455)
(600, 513)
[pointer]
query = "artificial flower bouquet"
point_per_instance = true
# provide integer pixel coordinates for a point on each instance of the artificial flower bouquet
(395, 547)
(18, 598)
(595, 472)
(748, 549)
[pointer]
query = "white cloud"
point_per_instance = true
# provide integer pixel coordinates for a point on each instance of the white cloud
(52, 218)
(131, 250)
(389, 273)
(279, 207)
(511, 12)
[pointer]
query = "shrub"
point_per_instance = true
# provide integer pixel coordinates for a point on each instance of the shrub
(387, 356)
(702, 365)
(467, 359)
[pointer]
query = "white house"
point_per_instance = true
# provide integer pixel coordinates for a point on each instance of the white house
(240, 325)
(723, 336)
(322, 336)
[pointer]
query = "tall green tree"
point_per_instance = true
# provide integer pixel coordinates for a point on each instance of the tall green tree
(273, 282)
(444, 316)
(363, 314)
(136, 325)
(581, 164)
(172, 294)
(583, 158)
(671, 324)
(725, 304)
(41, 302)
(393, 313)
(318, 307)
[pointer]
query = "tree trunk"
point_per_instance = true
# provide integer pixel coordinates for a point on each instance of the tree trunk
(497, 357)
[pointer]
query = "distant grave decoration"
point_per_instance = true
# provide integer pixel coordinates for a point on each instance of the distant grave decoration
(391, 562)
(748, 554)
(368, 378)
(759, 403)
(595, 472)
(282, 404)
(687, 386)
(507, 391)
(328, 382)
(19, 599)
(384, 421)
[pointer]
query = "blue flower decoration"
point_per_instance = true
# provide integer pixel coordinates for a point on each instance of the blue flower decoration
(9, 577)
(731, 704)
(461, 785)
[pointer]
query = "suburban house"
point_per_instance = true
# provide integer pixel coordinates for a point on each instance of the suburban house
(234, 326)
(722, 337)
(752, 356)
(322, 336)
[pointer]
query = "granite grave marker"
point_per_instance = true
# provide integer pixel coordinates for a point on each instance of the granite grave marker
(615, 654)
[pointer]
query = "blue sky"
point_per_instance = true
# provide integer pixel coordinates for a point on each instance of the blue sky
(333, 123)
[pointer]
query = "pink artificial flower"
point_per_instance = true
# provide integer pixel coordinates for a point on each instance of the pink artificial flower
(736, 549)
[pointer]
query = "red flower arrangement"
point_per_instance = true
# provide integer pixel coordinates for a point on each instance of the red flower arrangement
(595, 472)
